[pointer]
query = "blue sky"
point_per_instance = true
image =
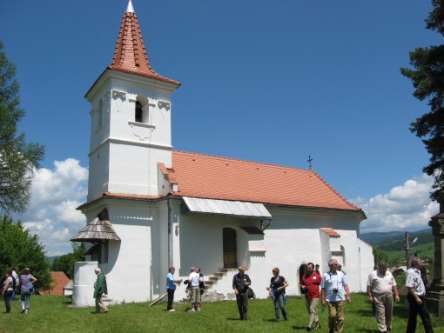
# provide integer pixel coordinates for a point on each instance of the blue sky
(270, 81)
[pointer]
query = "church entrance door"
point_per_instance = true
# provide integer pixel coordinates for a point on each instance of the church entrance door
(230, 248)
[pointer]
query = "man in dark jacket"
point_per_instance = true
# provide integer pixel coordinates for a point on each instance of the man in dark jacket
(241, 283)
(100, 289)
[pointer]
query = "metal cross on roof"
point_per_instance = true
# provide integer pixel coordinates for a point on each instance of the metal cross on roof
(310, 164)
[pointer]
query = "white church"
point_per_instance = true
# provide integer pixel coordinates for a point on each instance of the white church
(150, 206)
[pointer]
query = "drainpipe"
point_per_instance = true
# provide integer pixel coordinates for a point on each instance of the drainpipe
(170, 231)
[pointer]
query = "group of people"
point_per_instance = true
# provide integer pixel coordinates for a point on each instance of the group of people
(14, 284)
(330, 289)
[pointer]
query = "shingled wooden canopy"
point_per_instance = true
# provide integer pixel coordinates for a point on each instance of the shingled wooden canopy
(100, 229)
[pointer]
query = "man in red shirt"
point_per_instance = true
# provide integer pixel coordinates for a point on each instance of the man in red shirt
(311, 283)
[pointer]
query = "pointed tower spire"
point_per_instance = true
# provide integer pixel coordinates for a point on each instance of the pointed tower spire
(130, 8)
(130, 54)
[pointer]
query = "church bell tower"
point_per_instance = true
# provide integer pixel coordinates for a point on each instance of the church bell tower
(130, 119)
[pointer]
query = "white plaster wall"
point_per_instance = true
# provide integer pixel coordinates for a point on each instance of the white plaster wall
(123, 112)
(367, 262)
(136, 264)
(100, 108)
(325, 251)
(133, 168)
(98, 172)
(292, 238)
(134, 149)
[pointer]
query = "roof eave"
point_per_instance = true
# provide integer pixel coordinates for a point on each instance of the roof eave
(169, 84)
(119, 196)
(351, 210)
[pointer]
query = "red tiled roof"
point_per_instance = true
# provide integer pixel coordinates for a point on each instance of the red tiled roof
(130, 55)
(59, 281)
(331, 232)
(204, 176)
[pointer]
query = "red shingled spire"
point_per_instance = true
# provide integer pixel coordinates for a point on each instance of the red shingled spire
(130, 54)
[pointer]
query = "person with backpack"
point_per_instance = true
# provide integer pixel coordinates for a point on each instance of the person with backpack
(6, 291)
(27, 281)
(277, 293)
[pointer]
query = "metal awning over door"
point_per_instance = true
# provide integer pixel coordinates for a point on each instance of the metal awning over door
(225, 207)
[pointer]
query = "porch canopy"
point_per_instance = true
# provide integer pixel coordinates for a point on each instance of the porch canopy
(97, 230)
(225, 207)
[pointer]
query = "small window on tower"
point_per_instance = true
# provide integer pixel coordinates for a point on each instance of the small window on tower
(139, 112)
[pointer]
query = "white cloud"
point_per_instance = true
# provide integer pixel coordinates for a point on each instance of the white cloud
(404, 207)
(55, 195)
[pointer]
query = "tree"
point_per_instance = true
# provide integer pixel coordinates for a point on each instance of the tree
(427, 76)
(66, 262)
(379, 255)
(17, 158)
(20, 249)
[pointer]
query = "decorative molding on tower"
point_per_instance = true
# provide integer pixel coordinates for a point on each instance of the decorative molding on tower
(130, 55)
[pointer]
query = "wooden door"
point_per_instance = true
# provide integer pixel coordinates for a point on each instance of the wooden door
(230, 248)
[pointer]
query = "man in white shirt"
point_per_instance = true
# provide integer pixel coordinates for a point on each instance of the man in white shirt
(381, 287)
(416, 292)
(334, 292)
(194, 281)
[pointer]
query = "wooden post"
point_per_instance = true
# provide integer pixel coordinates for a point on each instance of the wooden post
(435, 298)
(407, 250)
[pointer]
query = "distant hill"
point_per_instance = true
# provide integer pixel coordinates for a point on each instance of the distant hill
(392, 243)
(394, 240)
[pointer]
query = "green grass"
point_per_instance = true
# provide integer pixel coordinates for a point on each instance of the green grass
(50, 314)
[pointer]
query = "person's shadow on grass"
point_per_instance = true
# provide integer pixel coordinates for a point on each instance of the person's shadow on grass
(295, 327)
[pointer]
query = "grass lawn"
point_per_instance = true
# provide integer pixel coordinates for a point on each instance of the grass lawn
(51, 314)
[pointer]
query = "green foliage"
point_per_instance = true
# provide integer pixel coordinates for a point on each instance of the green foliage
(435, 21)
(20, 249)
(427, 77)
(66, 262)
(379, 255)
(17, 158)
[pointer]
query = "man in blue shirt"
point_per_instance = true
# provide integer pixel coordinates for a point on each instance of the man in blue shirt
(171, 287)
(334, 292)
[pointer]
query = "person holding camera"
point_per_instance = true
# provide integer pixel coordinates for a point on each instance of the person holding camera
(310, 287)
(334, 293)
